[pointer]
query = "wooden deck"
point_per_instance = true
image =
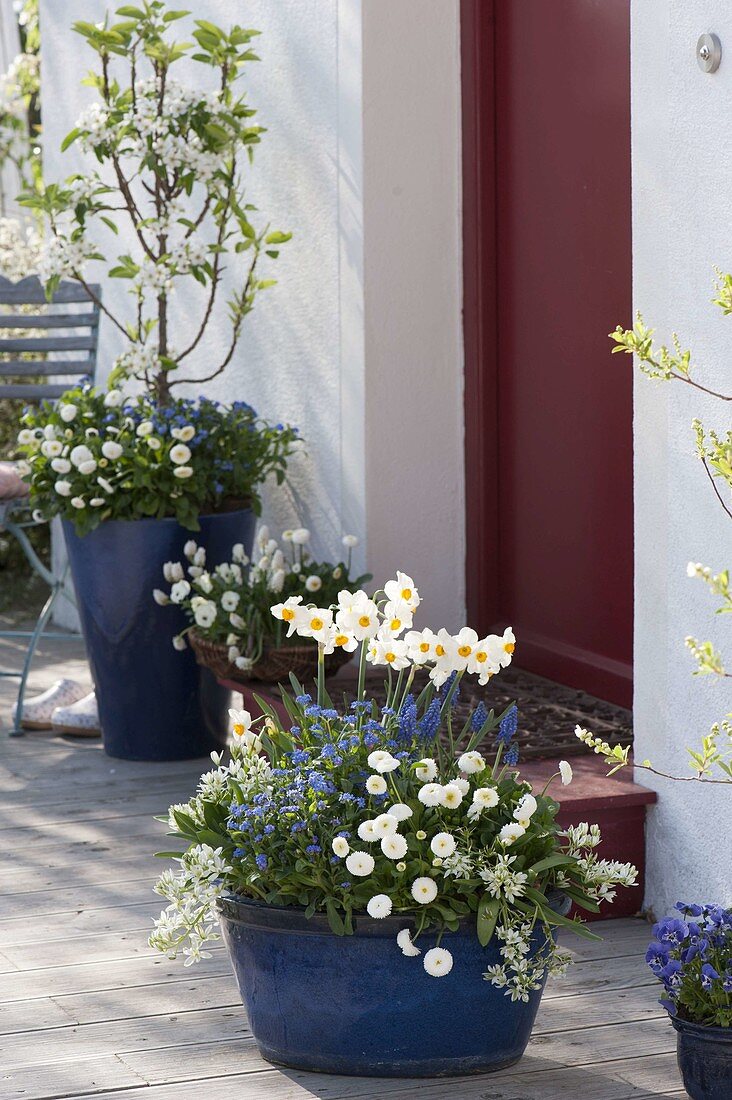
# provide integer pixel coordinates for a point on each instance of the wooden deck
(86, 1009)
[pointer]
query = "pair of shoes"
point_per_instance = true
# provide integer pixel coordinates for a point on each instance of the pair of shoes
(37, 712)
(81, 719)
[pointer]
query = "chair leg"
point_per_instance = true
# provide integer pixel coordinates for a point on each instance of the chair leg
(43, 618)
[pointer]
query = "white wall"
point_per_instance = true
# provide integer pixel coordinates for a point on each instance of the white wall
(361, 160)
(682, 180)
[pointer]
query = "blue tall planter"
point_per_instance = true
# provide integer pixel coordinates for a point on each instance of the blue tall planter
(155, 703)
(356, 1005)
(704, 1055)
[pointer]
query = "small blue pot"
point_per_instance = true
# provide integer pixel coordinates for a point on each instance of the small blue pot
(155, 703)
(357, 1005)
(704, 1055)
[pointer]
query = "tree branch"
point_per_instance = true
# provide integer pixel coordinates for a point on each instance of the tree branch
(714, 486)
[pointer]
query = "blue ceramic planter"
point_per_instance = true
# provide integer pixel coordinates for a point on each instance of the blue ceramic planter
(705, 1060)
(155, 703)
(356, 1005)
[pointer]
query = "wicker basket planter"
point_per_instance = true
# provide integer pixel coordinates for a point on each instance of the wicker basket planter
(274, 666)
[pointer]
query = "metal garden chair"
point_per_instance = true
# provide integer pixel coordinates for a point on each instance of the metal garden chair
(34, 367)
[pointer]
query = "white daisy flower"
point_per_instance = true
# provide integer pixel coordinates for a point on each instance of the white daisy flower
(525, 810)
(384, 825)
(379, 906)
(426, 770)
(67, 413)
(376, 784)
(360, 864)
(61, 465)
(565, 770)
(366, 832)
(430, 794)
(183, 472)
(510, 833)
(450, 796)
(471, 763)
(443, 844)
(438, 962)
(349, 541)
(382, 761)
(394, 846)
(111, 449)
(463, 784)
(404, 939)
(313, 583)
(340, 846)
(400, 811)
(424, 890)
(63, 488)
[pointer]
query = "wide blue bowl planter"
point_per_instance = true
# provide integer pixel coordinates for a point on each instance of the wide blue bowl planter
(357, 1005)
(155, 702)
(704, 1055)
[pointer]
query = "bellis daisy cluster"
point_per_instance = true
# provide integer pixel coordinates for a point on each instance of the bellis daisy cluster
(395, 812)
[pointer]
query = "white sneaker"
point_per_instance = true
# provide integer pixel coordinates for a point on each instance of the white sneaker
(38, 710)
(81, 719)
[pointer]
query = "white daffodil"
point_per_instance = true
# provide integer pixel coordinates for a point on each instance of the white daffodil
(366, 832)
(525, 810)
(317, 623)
(501, 647)
(392, 653)
(511, 833)
(61, 465)
(445, 658)
(289, 612)
(241, 721)
(466, 643)
(394, 846)
(185, 434)
(379, 906)
(438, 962)
(402, 590)
(424, 890)
(357, 615)
(443, 844)
(179, 591)
(481, 664)
(400, 811)
(397, 617)
(205, 614)
(404, 940)
(179, 454)
(340, 846)
(565, 770)
(111, 449)
(343, 640)
(451, 796)
(360, 864)
(426, 770)
(80, 454)
(430, 794)
(382, 761)
(67, 412)
(421, 646)
(471, 763)
(376, 784)
(51, 448)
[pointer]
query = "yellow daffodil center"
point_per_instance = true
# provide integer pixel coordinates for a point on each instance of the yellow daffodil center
(395, 624)
(509, 647)
(364, 620)
(239, 729)
(440, 651)
(316, 624)
(390, 656)
(424, 647)
(406, 593)
(465, 650)
(341, 639)
(288, 614)
(481, 656)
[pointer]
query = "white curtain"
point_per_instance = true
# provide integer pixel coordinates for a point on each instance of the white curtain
(9, 49)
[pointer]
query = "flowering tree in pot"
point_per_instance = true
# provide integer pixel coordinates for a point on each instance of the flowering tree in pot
(168, 165)
(385, 847)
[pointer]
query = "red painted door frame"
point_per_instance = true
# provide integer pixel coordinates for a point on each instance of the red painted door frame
(601, 676)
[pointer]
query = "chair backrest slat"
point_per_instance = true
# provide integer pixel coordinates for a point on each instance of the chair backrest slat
(35, 392)
(48, 355)
(49, 320)
(32, 368)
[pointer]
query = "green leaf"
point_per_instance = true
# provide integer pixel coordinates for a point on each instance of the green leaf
(334, 918)
(552, 861)
(487, 917)
(70, 139)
